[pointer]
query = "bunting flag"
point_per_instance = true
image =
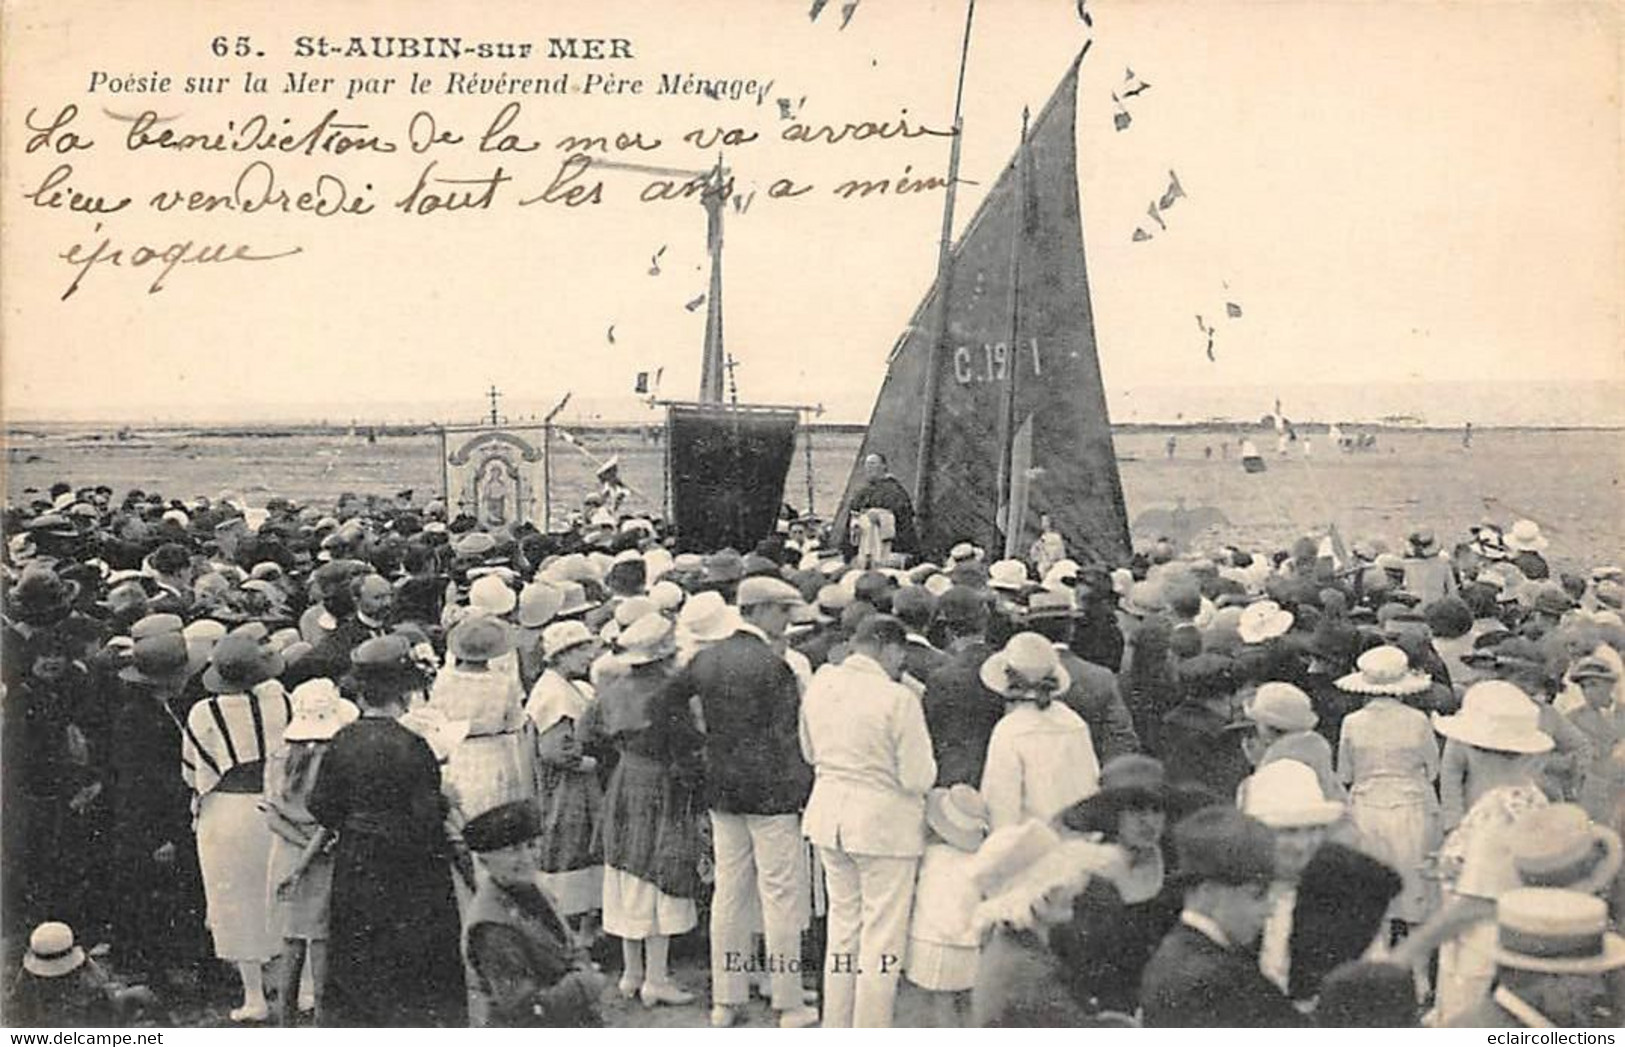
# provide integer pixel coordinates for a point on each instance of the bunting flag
(1156, 215)
(694, 303)
(659, 372)
(817, 9)
(1138, 89)
(1140, 234)
(641, 386)
(1232, 310)
(848, 9)
(654, 261)
(1175, 192)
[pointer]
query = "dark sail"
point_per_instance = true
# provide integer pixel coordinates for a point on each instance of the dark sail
(1018, 306)
(727, 466)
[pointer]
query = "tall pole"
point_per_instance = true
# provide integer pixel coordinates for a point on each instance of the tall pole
(1007, 471)
(945, 260)
(712, 364)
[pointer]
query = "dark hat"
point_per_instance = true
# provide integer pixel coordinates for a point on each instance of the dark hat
(170, 557)
(381, 656)
(724, 566)
(505, 826)
(238, 662)
(162, 659)
(1131, 781)
(913, 605)
(1206, 676)
(1222, 845)
(1551, 599)
(1448, 617)
(1368, 995)
(755, 566)
(41, 597)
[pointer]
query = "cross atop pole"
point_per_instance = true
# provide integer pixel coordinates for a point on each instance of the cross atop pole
(494, 395)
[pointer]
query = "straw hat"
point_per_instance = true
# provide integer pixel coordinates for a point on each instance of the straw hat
(1560, 846)
(575, 602)
(52, 952)
(667, 596)
(491, 595)
(1384, 670)
(1048, 603)
(649, 639)
(1525, 537)
(757, 590)
(1496, 715)
(318, 712)
(539, 602)
(162, 660)
(561, 636)
(1264, 620)
(1026, 668)
(480, 639)
(1007, 575)
(706, 617)
(1282, 706)
(1285, 794)
(1553, 931)
(1142, 599)
(957, 814)
(965, 551)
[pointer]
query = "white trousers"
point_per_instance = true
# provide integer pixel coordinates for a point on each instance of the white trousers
(760, 860)
(870, 902)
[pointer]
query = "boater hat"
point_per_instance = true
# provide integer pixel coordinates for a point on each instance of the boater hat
(649, 639)
(1551, 931)
(1560, 846)
(1027, 667)
(1385, 671)
(52, 952)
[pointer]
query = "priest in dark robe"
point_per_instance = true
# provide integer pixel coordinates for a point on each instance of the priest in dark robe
(882, 490)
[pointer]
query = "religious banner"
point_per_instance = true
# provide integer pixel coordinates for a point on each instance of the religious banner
(495, 475)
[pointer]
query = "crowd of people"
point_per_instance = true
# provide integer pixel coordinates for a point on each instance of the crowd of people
(370, 761)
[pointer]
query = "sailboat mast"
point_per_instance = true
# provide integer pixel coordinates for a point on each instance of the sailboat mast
(715, 360)
(1007, 475)
(945, 264)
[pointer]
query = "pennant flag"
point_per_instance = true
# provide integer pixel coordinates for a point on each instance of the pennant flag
(1128, 75)
(1175, 191)
(1140, 234)
(848, 9)
(642, 383)
(1232, 310)
(817, 8)
(654, 261)
(1139, 89)
(694, 303)
(1156, 216)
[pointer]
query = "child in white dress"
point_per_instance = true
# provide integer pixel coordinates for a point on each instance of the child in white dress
(943, 948)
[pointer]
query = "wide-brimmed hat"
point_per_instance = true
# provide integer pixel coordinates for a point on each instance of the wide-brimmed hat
(1222, 845)
(724, 566)
(382, 657)
(491, 595)
(1525, 537)
(1384, 670)
(238, 663)
(41, 597)
(963, 551)
(707, 618)
(474, 545)
(561, 636)
(632, 608)
(1285, 794)
(575, 601)
(1263, 621)
(1007, 576)
(52, 952)
(667, 596)
(958, 814)
(1027, 667)
(539, 602)
(1281, 705)
(480, 639)
(1496, 715)
(612, 463)
(1131, 781)
(501, 827)
(1423, 543)
(651, 638)
(1553, 931)
(1560, 846)
(162, 660)
(318, 712)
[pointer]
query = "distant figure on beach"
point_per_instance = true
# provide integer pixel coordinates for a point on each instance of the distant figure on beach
(1467, 435)
(1251, 460)
(1207, 452)
(1173, 444)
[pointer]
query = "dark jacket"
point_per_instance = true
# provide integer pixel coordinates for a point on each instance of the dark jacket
(1192, 982)
(1020, 984)
(331, 657)
(887, 493)
(1343, 896)
(921, 660)
(525, 969)
(960, 713)
(750, 705)
(1095, 697)
(1197, 748)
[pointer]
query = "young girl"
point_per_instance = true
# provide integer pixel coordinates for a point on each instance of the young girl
(942, 947)
(301, 868)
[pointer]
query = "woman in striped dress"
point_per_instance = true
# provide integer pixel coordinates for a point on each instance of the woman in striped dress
(228, 737)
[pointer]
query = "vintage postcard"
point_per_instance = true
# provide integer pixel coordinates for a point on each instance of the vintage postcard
(326, 327)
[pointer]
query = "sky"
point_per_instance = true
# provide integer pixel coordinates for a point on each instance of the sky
(1396, 194)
